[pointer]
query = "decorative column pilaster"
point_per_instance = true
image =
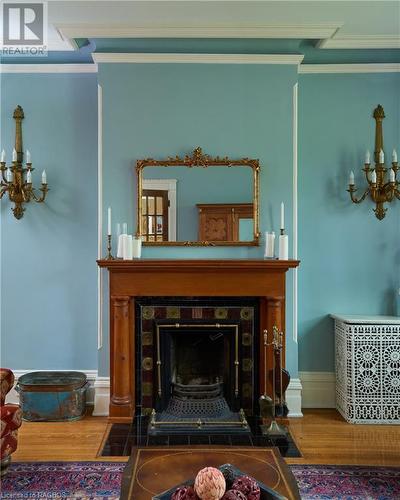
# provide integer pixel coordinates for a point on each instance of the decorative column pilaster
(122, 366)
(272, 314)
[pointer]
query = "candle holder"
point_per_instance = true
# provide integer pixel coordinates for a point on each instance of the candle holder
(16, 181)
(380, 189)
(109, 254)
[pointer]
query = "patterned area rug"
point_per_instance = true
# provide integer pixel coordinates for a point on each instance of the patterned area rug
(102, 481)
(318, 482)
(78, 480)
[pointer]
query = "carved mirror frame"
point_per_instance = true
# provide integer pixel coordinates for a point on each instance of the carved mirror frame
(199, 159)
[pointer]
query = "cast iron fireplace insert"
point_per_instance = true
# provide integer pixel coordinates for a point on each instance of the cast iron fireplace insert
(197, 362)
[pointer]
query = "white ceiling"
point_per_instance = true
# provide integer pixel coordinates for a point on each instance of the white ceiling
(341, 24)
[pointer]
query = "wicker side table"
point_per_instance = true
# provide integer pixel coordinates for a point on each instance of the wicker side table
(367, 365)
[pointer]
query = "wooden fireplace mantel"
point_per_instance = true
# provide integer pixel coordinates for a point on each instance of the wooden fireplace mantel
(178, 278)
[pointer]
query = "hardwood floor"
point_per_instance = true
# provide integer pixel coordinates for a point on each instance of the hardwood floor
(322, 436)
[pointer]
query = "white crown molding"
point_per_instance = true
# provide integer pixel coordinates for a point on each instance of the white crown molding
(310, 31)
(319, 389)
(349, 68)
(48, 68)
(365, 42)
(132, 58)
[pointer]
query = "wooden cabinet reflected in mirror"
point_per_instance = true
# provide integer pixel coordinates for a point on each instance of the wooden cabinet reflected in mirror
(198, 200)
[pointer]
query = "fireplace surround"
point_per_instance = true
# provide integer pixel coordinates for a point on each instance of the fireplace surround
(131, 281)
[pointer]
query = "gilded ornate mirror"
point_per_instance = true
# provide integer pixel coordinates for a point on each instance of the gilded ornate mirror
(198, 200)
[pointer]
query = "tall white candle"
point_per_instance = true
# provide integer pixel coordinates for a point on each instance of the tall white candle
(29, 177)
(14, 155)
(392, 175)
(44, 177)
(381, 156)
(367, 157)
(282, 215)
(373, 177)
(394, 156)
(351, 179)
(109, 221)
(3, 156)
(28, 156)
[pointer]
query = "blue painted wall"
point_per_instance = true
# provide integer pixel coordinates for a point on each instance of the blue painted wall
(350, 259)
(48, 269)
(166, 109)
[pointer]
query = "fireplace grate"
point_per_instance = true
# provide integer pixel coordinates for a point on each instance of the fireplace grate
(194, 408)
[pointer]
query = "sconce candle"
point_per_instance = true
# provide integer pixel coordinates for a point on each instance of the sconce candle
(14, 155)
(44, 177)
(28, 156)
(351, 180)
(29, 177)
(379, 188)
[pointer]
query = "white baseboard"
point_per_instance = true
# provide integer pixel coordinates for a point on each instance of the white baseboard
(99, 393)
(318, 389)
(13, 396)
(294, 397)
(102, 397)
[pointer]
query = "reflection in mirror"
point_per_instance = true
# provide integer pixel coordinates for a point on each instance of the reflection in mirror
(188, 203)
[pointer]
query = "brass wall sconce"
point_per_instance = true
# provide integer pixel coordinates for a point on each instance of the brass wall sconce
(379, 188)
(16, 180)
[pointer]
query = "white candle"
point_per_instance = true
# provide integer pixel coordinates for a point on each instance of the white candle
(136, 247)
(44, 177)
(381, 156)
(367, 157)
(9, 175)
(28, 156)
(282, 215)
(394, 156)
(3, 156)
(109, 221)
(373, 177)
(14, 155)
(29, 177)
(392, 175)
(351, 180)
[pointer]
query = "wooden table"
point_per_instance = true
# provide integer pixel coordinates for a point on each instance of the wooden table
(151, 471)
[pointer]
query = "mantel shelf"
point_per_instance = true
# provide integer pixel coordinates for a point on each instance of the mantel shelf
(200, 264)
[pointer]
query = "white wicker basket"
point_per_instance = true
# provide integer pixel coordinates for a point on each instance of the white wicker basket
(367, 352)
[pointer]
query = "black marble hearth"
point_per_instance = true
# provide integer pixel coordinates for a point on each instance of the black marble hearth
(123, 437)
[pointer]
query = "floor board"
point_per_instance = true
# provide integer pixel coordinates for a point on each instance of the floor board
(322, 436)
